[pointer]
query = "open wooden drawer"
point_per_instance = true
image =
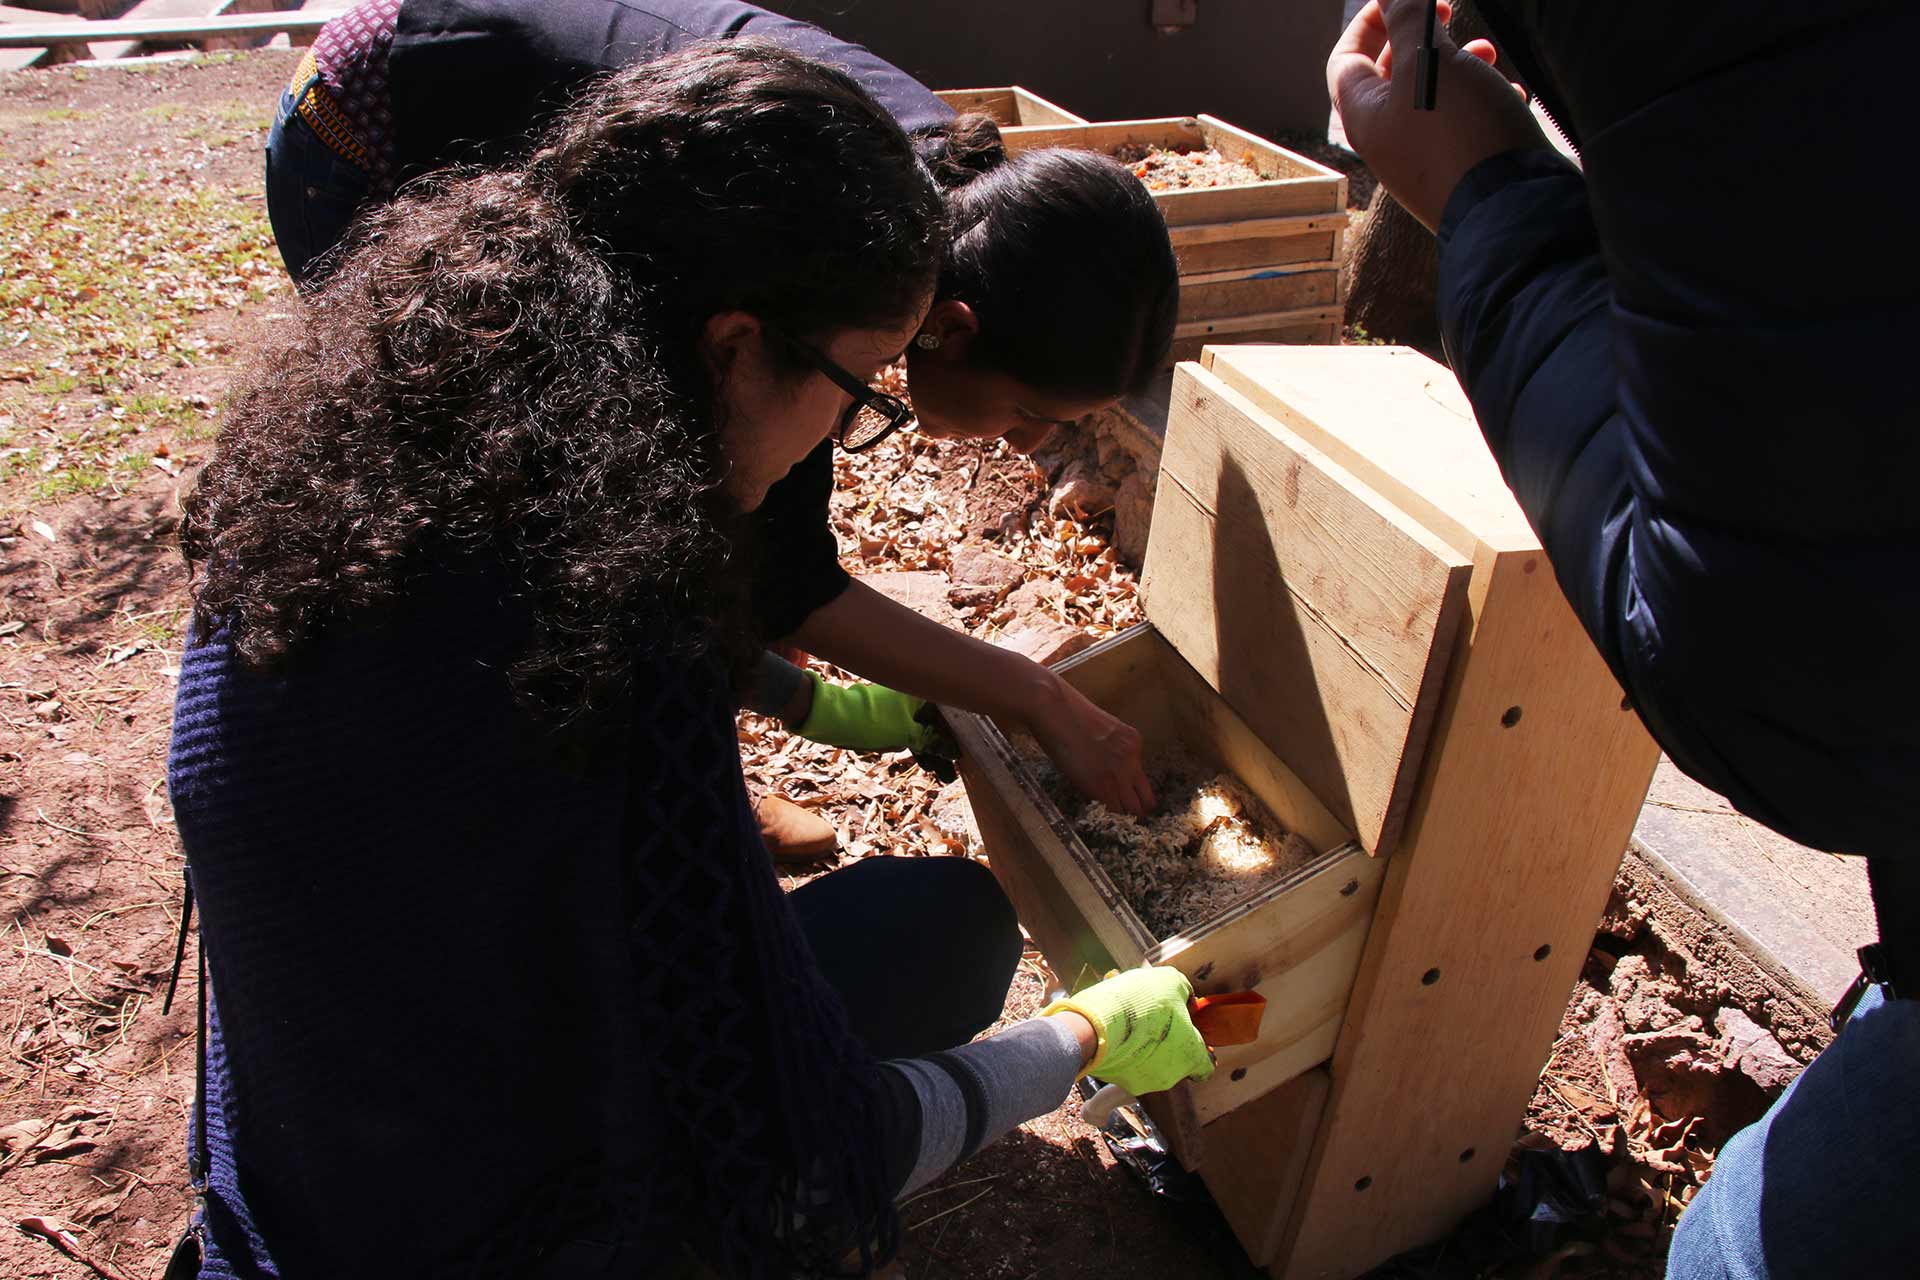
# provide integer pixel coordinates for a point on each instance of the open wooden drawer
(1298, 636)
(1297, 941)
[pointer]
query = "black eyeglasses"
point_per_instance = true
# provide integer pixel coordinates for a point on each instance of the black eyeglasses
(872, 417)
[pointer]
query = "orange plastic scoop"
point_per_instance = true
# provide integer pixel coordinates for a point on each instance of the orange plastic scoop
(1232, 1017)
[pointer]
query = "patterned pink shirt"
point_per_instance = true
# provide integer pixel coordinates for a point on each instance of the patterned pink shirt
(351, 53)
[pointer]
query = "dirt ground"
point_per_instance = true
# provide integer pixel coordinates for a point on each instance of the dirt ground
(136, 268)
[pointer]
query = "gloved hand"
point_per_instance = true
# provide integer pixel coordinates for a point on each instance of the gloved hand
(1147, 1040)
(864, 717)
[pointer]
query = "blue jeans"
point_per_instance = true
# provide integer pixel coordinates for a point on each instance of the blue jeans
(312, 193)
(1827, 1183)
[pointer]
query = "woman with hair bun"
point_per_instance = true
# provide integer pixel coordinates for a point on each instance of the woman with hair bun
(498, 980)
(1056, 297)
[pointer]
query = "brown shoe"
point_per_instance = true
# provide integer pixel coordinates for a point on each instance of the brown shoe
(793, 834)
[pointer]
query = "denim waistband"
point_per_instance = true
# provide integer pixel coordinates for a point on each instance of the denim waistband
(323, 115)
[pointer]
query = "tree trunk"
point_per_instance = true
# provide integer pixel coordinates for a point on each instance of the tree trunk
(1392, 276)
(1393, 269)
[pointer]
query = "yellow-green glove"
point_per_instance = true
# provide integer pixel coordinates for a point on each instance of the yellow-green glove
(1147, 1039)
(864, 717)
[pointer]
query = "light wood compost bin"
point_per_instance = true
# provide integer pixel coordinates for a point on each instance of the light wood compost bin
(1349, 612)
(1009, 106)
(1259, 262)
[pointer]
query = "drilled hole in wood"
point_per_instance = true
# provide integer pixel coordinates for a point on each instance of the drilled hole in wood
(1239, 1073)
(1626, 704)
(1362, 1184)
(1542, 951)
(1430, 977)
(1466, 1155)
(1204, 972)
(1350, 888)
(1511, 718)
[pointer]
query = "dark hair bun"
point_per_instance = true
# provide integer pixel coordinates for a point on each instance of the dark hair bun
(962, 149)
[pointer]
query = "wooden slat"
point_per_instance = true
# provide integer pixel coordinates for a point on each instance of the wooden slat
(1255, 228)
(1107, 136)
(1511, 848)
(1262, 294)
(1250, 273)
(1228, 325)
(1319, 248)
(1011, 106)
(1313, 606)
(1396, 419)
(26, 35)
(1256, 1158)
(1318, 331)
(1283, 197)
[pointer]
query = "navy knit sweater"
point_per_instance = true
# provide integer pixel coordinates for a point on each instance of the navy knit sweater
(476, 996)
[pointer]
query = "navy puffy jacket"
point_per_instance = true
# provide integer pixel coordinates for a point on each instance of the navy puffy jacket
(1694, 365)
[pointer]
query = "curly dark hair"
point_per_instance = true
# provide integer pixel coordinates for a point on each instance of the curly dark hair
(504, 371)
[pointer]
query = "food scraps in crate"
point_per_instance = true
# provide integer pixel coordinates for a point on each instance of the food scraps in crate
(1167, 170)
(1208, 844)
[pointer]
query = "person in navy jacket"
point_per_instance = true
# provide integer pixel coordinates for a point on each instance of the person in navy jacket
(1689, 366)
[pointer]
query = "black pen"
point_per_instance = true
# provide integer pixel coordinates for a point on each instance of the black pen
(1426, 67)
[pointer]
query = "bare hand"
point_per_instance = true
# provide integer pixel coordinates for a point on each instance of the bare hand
(1098, 754)
(1420, 156)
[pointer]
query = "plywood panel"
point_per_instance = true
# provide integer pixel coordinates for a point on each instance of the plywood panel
(1396, 419)
(1524, 809)
(1312, 605)
(1256, 1157)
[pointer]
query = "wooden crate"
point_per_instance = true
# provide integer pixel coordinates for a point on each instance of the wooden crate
(1297, 941)
(1261, 623)
(1349, 612)
(1010, 107)
(1259, 262)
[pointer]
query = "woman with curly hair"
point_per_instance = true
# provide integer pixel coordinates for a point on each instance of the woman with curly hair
(1056, 296)
(501, 983)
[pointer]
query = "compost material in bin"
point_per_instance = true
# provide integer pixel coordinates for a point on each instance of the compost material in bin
(1207, 845)
(1164, 170)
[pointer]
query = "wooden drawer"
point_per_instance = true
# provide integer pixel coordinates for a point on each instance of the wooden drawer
(1297, 941)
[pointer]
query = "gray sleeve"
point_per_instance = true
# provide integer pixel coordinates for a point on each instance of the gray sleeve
(971, 1095)
(771, 685)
